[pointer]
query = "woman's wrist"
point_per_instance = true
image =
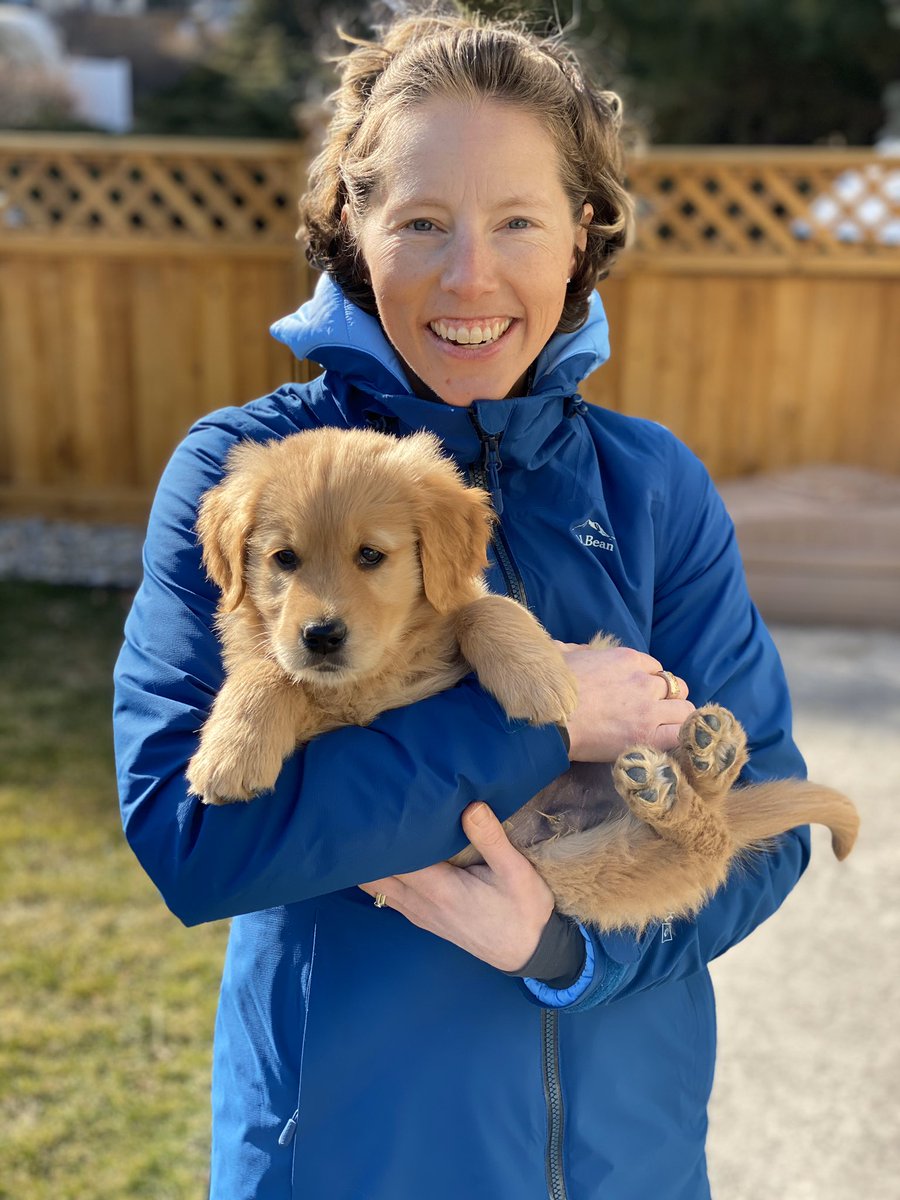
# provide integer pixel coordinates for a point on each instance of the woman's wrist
(559, 956)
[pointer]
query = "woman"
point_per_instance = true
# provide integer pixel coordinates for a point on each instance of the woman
(467, 202)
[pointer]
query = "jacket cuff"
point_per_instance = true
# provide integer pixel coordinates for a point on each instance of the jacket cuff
(552, 997)
(558, 959)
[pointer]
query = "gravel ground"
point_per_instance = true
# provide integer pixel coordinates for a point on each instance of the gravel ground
(70, 552)
(805, 1101)
(804, 1105)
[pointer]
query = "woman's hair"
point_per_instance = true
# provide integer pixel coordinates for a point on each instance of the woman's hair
(470, 59)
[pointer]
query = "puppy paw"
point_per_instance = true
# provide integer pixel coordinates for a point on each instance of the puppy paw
(543, 692)
(226, 774)
(648, 781)
(712, 749)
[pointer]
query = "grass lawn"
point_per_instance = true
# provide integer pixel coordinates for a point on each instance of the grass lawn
(107, 1002)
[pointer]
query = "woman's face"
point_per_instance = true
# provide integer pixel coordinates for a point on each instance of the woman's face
(469, 243)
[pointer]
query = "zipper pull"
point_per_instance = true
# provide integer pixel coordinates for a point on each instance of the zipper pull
(287, 1134)
(492, 467)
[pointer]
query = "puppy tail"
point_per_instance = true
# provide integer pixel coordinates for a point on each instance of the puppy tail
(762, 811)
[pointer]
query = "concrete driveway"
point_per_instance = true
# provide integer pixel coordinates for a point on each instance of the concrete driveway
(806, 1103)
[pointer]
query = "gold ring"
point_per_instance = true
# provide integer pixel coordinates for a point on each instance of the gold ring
(674, 691)
(380, 899)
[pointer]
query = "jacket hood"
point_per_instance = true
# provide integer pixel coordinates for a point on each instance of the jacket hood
(331, 331)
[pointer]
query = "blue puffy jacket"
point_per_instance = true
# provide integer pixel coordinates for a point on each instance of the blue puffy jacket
(358, 1057)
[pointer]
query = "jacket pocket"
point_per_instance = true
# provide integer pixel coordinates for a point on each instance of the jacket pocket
(703, 1001)
(307, 971)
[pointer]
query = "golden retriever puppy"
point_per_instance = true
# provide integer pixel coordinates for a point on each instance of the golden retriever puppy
(350, 565)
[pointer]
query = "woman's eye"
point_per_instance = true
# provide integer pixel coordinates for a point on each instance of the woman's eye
(369, 557)
(420, 225)
(518, 223)
(286, 559)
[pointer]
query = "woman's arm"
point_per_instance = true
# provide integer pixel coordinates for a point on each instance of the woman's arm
(706, 629)
(353, 805)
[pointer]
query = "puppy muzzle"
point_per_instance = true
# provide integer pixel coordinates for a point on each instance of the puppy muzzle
(324, 643)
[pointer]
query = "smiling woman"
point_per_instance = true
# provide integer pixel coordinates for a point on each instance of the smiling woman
(467, 201)
(470, 287)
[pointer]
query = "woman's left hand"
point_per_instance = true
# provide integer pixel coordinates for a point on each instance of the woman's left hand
(496, 910)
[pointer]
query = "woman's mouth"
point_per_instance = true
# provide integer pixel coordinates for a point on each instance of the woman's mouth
(476, 332)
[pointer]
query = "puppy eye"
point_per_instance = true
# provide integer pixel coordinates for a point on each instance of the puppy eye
(369, 557)
(286, 559)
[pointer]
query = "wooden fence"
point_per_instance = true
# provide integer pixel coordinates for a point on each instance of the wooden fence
(138, 278)
(757, 314)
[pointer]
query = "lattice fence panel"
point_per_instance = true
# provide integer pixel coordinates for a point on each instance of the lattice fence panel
(733, 204)
(188, 192)
(767, 205)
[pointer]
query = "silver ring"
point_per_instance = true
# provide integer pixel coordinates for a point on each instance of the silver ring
(674, 691)
(380, 899)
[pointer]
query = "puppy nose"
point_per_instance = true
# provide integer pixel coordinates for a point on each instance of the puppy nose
(325, 638)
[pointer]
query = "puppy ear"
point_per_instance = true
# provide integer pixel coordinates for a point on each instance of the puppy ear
(225, 521)
(454, 523)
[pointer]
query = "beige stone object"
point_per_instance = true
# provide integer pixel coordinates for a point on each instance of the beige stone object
(821, 544)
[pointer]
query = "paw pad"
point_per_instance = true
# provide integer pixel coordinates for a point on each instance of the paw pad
(652, 780)
(711, 743)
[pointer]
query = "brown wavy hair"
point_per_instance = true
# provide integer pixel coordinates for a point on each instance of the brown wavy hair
(469, 58)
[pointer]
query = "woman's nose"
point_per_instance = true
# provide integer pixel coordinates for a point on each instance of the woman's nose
(469, 268)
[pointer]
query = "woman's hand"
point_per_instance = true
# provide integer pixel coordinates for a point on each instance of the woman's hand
(622, 702)
(496, 911)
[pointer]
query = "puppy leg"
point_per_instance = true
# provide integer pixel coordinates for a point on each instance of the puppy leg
(654, 787)
(516, 661)
(253, 727)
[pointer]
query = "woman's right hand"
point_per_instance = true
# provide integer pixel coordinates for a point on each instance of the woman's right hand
(622, 702)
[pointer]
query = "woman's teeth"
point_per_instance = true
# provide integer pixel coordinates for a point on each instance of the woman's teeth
(471, 335)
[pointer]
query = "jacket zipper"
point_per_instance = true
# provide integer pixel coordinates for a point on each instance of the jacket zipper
(486, 475)
(556, 1182)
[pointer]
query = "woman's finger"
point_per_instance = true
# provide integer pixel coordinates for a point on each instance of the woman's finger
(488, 836)
(666, 737)
(391, 888)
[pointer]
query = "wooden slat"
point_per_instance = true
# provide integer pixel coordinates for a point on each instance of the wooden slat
(162, 329)
(109, 505)
(765, 266)
(218, 349)
(716, 406)
(880, 414)
(22, 394)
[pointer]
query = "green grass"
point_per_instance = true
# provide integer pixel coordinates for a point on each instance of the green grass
(107, 1002)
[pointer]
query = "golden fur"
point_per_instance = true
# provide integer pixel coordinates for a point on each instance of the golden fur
(350, 565)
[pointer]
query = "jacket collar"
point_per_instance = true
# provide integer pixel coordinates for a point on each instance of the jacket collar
(331, 331)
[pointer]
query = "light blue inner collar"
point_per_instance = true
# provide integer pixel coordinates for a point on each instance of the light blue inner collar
(331, 331)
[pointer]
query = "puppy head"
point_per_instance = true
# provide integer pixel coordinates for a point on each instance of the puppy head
(340, 542)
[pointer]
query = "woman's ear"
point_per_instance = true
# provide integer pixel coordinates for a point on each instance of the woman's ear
(225, 521)
(454, 524)
(581, 235)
